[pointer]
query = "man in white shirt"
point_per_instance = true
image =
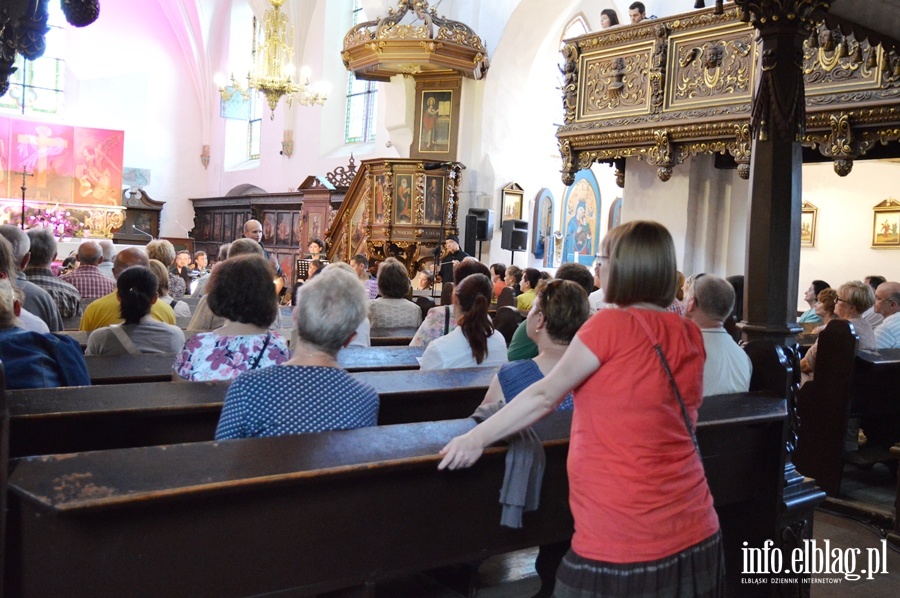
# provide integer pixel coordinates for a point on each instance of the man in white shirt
(887, 303)
(708, 303)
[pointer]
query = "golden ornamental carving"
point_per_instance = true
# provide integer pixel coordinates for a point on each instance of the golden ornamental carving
(419, 186)
(713, 69)
(616, 84)
(833, 61)
(568, 168)
(740, 149)
(765, 13)
(569, 71)
(381, 48)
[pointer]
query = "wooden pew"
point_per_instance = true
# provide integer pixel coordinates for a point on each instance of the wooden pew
(86, 418)
(379, 359)
(157, 367)
(382, 337)
(4, 459)
(311, 513)
(120, 369)
(876, 399)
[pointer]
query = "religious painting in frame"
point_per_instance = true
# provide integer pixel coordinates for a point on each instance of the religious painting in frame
(45, 151)
(98, 166)
(358, 223)
(511, 202)
(434, 199)
(296, 229)
(808, 215)
(615, 214)
(403, 199)
(886, 227)
(581, 211)
(228, 225)
(542, 222)
(379, 191)
(268, 227)
(217, 225)
(283, 230)
(437, 119)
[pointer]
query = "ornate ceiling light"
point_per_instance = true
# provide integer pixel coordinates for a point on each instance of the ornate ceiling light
(426, 45)
(273, 68)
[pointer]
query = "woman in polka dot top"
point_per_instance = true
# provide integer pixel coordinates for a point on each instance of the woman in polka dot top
(309, 392)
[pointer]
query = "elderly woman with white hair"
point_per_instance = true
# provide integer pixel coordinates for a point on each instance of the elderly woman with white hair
(309, 392)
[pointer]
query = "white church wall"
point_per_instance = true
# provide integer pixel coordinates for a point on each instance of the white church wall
(843, 246)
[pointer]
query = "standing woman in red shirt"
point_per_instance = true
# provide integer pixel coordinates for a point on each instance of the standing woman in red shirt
(644, 517)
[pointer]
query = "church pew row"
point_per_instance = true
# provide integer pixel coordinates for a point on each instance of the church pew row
(384, 337)
(157, 367)
(847, 383)
(311, 513)
(86, 418)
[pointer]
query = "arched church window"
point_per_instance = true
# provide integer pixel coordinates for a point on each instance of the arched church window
(38, 86)
(360, 121)
(575, 27)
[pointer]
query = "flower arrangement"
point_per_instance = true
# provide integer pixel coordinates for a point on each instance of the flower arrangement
(60, 221)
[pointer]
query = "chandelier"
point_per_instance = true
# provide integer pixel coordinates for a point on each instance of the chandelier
(273, 68)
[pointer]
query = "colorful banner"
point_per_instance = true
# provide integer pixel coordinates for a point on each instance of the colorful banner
(63, 164)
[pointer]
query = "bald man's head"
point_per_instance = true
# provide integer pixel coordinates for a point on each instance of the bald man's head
(128, 257)
(253, 230)
(887, 298)
(90, 253)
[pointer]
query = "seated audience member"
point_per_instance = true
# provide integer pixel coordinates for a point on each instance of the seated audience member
(204, 319)
(360, 264)
(393, 309)
(105, 310)
(558, 311)
(43, 252)
(887, 303)
(35, 299)
(424, 280)
(474, 342)
(164, 251)
(87, 277)
(528, 284)
(241, 294)
(521, 346)
(441, 320)
(26, 320)
(140, 333)
(181, 268)
(853, 298)
(596, 296)
(308, 393)
(200, 287)
(811, 297)
(200, 262)
(34, 359)
(363, 337)
(514, 278)
(498, 278)
(181, 309)
(871, 315)
(109, 255)
(708, 303)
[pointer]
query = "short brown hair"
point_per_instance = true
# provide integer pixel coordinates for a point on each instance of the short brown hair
(828, 298)
(642, 264)
(393, 282)
(564, 305)
(241, 290)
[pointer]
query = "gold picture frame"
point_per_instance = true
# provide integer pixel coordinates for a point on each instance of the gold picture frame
(808, 220)
(511, 205)
(886, 225)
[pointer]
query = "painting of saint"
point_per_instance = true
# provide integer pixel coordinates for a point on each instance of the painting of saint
(283, 233)
(582, 205)
(403, 202)
(434, 199)
(268, 228)
(378, 214)
(434, 134)
(886, 231)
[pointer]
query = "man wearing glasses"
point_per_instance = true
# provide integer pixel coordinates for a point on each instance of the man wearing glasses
(887, 303)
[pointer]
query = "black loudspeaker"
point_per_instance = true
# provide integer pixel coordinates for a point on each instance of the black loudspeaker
(515, 235)
(484, 224)
(469, 241)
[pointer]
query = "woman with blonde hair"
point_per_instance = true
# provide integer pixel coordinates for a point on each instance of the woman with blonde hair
(164, 251)
(633, 369)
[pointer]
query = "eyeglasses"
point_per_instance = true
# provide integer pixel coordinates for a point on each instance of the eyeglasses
(839, 300)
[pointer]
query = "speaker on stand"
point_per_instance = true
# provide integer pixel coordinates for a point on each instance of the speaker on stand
(480, 228)
(515, 237)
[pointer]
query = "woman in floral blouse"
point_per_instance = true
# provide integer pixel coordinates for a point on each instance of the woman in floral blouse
(240, 290)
